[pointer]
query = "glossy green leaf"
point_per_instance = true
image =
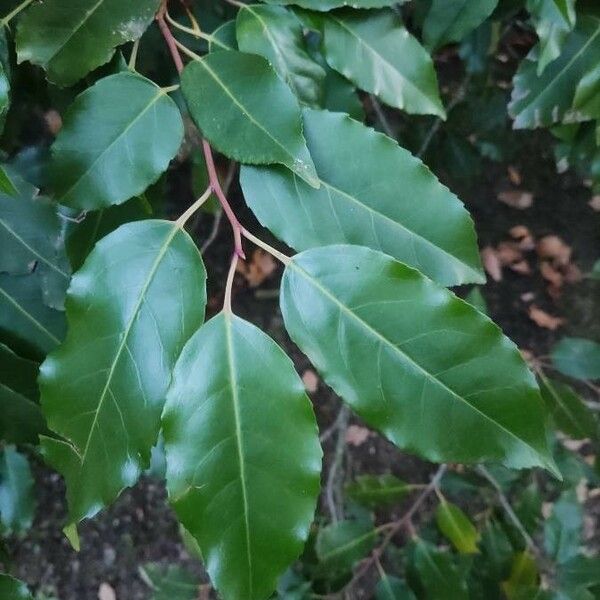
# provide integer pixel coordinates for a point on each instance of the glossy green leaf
(393, 588)
(375, 52)
(118, 137)
(439, 576)
(451, 20)
(170, 583)
(231, 96)
(570, 413)
(223, 37)
(325, 5)
(242, 448)
(457, 527)
(32, 240)
(138, 298)
(382, 490)
(21, 419)
(17, 501)
(13, 589)
(339, 95)
(26, 324)
(7, 185)
(276, 33)
(423, 367)
(577, 357)
(562, 530)
(367, 197)
(340, 545)
(70, 40)
(542, 100)
(553, 20)
(84, 235)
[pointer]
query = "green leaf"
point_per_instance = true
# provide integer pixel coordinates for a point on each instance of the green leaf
(423, 367)
(325, 5)
(138, 298)
(382, 490)
(276, 33)
(13, 589)
(578, 358)
(29, 326)
(223, 37)
(452, 20)
(238, 117)
(457, 527)
(96, 225)
(377, 53)
(570, 414)
(339, 95)
(118, 137)
(541, 100)
(21, 419)
(393, 588)
(340, 545)
(562, 530)
(439, 576)
(523, 575)
(367, 197)
(475, 298)
(553, 21)
(580, 571)
(6, 183)
(69, 41)
(170, 583)
(17, 502)
(496, 551)
(586, 103)
(242, 446)
(31, 240)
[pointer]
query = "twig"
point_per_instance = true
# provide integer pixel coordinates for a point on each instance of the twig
(332, 491)
(331, 429)
(381, 117)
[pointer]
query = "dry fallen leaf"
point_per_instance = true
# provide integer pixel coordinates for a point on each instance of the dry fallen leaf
(554, 248)
(356, 436)
(523, 236)
(514, 175)
(549, 273)
(508, 253)
(543, 319)
(491, 263)
(310, 380)
(261, 266)
(521, 267)
(516, 198)
(594, 203)
(106, 592)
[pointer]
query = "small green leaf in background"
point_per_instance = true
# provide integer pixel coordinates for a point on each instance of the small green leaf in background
(451, 20)
(7, 185)
(17, 501)
(368, 187)
(562, 530)
(476, 299)
(13, 589)
(393, 588)
(580, 571)
(276, 33)
(568, 410)
(238, 117)
(31, 240)
(523, 575)
(542, 100)
(376, 53)
(496, 551)
(553, 20)
(27, 325)
(170, 582)
(378, 490)
(242, 449)
(439, 576)
(71, 40)
(457, 527)
(118, 137)
(586, 103)
(365, 320)
(21, 419)
(340, 545)
(325, 5)
(223, 37)
(577, 357)
(138, 298)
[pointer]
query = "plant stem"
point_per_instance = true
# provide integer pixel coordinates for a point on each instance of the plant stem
(185, 217)
(134, 53)
(286, 260)
(332, 491)
(229, 284)
(168, 36)
(13, 13)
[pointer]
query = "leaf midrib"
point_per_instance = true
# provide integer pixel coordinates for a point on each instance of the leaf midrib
(32, 250)
(430, 377)
(160, 93)
(123, 344)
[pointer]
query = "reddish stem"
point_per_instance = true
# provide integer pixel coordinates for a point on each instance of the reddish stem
(215, 184)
